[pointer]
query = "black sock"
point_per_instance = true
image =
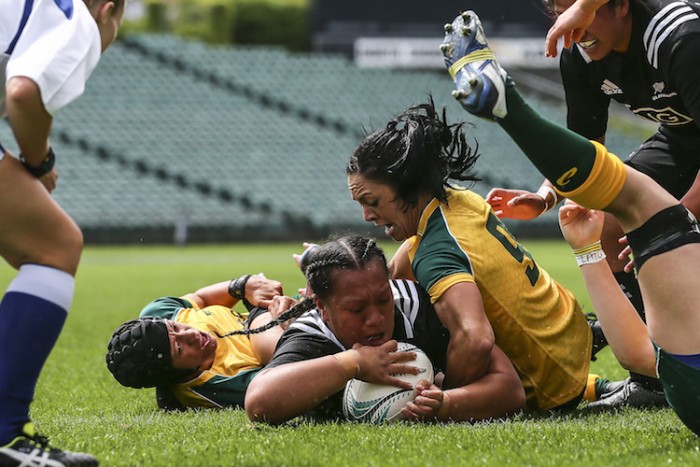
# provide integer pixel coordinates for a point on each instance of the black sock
(648, 382)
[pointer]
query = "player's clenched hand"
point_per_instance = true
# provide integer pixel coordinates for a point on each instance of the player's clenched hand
(379, 364)
(426, 405)
(260, 290)
(515, 204)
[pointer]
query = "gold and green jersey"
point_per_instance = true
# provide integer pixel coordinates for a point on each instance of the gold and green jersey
(537, 322)
(235, 363)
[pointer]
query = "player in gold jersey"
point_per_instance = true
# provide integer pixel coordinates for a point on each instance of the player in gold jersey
(185, 346)
(486, 288)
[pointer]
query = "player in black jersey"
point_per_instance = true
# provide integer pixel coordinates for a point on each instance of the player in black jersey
(644, 54)
(353, 333)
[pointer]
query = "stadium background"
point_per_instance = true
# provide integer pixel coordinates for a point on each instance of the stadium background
(185, 136)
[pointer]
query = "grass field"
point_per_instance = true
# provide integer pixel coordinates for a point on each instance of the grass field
(79, 405)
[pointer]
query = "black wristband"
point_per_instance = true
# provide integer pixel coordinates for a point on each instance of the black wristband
(42, 169)
(236, 288)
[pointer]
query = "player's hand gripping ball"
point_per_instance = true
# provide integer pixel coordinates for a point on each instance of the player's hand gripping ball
(379, 403)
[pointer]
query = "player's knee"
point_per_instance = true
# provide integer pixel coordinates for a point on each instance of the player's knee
(73, 246)
(60, 250)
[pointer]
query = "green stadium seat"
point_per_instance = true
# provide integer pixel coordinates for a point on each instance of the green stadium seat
(160, 134)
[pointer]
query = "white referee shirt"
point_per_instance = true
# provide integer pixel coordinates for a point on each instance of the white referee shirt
(56, 43)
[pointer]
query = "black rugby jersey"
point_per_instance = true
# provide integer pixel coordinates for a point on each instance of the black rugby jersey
(415, 321)
(658, 78)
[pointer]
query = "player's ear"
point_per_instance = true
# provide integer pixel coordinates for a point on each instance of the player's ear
(321, 306)
(624, 6)
(105, 11)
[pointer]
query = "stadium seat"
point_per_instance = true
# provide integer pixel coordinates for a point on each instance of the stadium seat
(236, 138)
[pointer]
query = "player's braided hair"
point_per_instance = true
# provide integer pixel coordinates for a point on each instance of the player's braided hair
(417, 152)
(348, 252)
(138, 355)
(294, 312)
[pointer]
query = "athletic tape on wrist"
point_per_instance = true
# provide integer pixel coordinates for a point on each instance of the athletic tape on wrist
(445, 409)
(348, 361)
(543, 192)
(589, 254)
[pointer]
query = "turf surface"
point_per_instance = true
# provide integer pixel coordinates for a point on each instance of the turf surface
(81, 407)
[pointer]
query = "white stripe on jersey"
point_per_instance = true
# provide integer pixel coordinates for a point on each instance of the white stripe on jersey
(312, 323)
(662, 25)
(406, 300)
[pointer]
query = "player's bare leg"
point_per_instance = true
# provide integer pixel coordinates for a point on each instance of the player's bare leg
(33, 227)
(40, 239)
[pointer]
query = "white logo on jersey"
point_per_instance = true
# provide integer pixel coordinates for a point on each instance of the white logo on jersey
(667, 115)
(662, 25)
(658, 88)
(610, 88)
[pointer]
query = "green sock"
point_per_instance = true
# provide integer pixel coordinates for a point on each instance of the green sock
(601, 387)
(554, 150)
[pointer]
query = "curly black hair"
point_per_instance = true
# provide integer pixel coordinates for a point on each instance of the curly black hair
(417, 153)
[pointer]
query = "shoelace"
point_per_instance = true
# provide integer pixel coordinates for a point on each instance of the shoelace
(41, 441)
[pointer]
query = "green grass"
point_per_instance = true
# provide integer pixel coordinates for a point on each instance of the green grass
(79, 405)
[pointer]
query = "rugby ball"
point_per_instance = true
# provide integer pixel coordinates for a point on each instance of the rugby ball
(378, 403)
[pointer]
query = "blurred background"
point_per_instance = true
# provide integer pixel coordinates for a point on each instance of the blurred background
(232, 120)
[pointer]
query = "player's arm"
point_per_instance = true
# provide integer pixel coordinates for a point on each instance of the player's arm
(460, 309)
(400, 264)
(257, 289)
(496, 394)
(30, 122)
(625, 331)
(280, 393)
(264, 343)
(284, 392)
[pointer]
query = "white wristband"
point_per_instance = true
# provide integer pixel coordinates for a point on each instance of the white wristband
(590, 254)
(543, 192)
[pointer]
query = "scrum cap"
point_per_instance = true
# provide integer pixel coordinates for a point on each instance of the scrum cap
(138, 355)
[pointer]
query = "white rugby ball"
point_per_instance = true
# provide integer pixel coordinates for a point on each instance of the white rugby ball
(379, 403)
